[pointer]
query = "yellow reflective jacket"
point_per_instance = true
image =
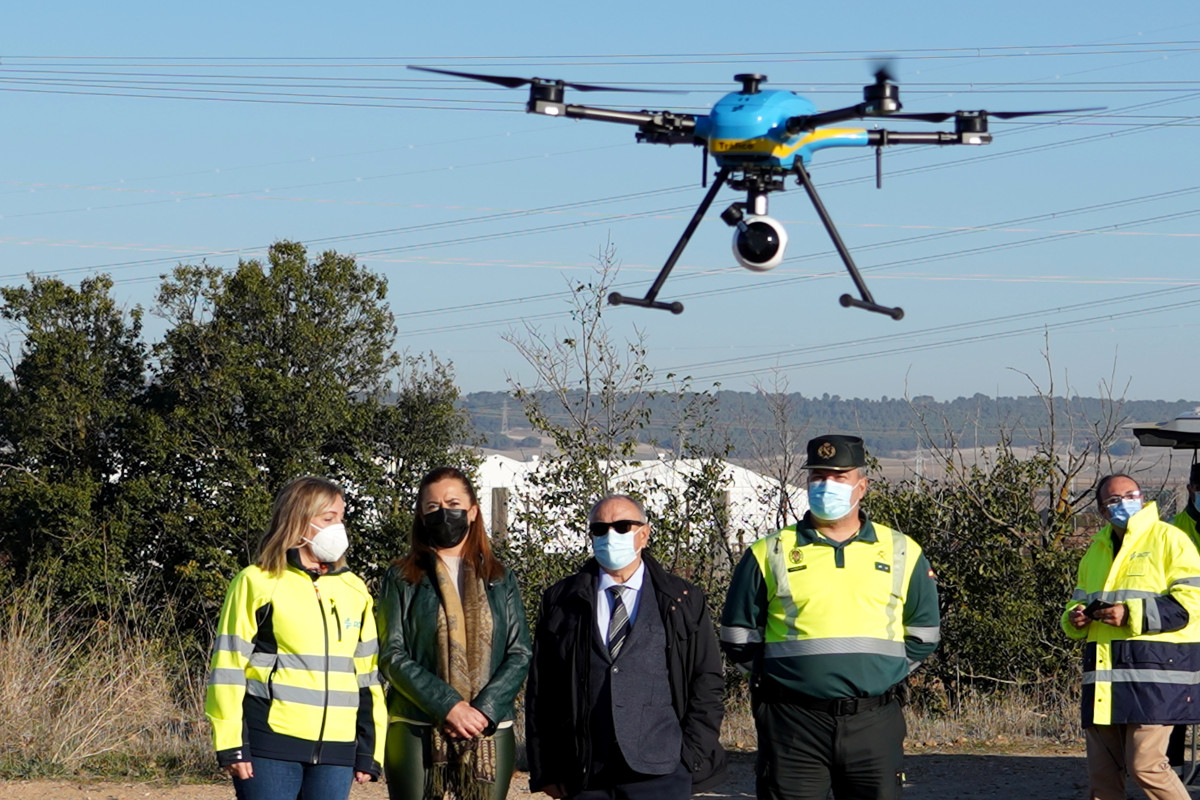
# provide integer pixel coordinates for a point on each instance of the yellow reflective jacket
(832, 619)
(1187, 521)
(293, 674)
(1148, 670)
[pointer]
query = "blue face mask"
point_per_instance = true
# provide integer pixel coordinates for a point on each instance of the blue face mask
(830, 500)
(615, 550)
(1119, 515)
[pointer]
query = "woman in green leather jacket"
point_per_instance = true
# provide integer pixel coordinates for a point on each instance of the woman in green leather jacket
(454, 650)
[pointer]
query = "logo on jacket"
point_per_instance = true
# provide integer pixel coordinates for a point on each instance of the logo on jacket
(796, 556)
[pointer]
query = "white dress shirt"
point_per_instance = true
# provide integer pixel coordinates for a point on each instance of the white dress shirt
(631, 594)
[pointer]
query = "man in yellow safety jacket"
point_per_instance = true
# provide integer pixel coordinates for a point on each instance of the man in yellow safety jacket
(1137, 603)
(1188, 520)
(829, 616)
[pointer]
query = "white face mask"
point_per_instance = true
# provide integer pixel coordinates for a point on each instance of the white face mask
(330, 543)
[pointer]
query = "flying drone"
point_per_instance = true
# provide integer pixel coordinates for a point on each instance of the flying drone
(758, 138)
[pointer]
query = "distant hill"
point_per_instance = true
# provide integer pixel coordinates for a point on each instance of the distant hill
(889, 425)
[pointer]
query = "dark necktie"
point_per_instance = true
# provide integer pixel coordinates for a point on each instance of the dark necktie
(618, 623)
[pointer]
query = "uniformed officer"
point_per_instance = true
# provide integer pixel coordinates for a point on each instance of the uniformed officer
(829, 616)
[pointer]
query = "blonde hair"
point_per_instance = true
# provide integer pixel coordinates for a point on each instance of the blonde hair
(295, 506)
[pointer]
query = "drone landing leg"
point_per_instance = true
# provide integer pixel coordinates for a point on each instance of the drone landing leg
(617, 299)
(867, 302)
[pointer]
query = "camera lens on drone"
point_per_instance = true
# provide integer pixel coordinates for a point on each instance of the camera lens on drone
(759, 242)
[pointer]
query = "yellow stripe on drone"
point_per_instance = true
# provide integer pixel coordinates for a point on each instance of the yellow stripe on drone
(770, 147)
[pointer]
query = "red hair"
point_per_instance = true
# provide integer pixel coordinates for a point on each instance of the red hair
(421, 555)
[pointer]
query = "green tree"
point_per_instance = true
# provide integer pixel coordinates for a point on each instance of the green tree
(419, 428)
(592, 399)
(998, 527)
(267, 372)
(70, 408)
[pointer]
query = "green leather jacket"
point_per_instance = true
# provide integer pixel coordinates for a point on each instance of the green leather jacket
(407, 621)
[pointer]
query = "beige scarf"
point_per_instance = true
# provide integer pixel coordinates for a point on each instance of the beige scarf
(466, 768)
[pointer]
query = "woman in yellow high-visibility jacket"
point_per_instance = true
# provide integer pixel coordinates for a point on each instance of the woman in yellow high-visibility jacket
(294, 697)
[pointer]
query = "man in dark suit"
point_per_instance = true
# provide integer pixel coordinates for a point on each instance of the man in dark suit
(625, 692)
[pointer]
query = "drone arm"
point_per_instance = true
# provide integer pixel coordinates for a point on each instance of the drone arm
(796, 125)
(656, 127)
(881, 138)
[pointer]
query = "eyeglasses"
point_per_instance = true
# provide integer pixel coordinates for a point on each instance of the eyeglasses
(620, 526)
(1115, 500)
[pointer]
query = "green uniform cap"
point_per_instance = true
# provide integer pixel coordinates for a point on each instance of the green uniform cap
(836, 452)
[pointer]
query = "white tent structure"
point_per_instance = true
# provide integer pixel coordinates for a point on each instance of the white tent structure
(750, 497)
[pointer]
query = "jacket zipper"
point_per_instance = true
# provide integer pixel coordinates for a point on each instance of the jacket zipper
(316, 756)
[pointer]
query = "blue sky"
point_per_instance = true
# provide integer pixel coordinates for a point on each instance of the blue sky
(142, 135)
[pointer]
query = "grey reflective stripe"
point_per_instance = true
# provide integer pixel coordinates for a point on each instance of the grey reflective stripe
(1118, 596)
(1079, 595)
(1195, 581)
(899, 575)
(732, 634)
(233, 644)
(1129, 594)
(263, 660)
(315, 663)
(834, 647)
(931, 635)
(783, 589)
(368, 679)
(1152, 622)
(257, 689)
(314, 697)
(1172, 676)
(912, 665)
(365, 649)
(227, 677)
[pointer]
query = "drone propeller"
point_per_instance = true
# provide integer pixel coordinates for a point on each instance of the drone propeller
(884, 73)
(515, 83)
(942, 116)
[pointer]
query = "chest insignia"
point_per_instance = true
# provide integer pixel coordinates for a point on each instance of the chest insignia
(882, 567)
(796, 556)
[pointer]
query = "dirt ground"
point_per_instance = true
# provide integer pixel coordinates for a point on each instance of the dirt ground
(931, 774)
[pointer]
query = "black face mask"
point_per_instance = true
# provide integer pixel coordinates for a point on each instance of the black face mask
(445, 527)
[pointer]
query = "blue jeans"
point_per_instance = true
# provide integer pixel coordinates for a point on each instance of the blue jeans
(294, 780)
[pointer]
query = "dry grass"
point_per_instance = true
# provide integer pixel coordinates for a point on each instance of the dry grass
(1029, 718)
(89, 697)
(1032, 719)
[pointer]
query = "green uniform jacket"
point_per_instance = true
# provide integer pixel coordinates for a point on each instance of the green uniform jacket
(409, 650)
(832, 620)
(294, 670)
(1148, 670)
